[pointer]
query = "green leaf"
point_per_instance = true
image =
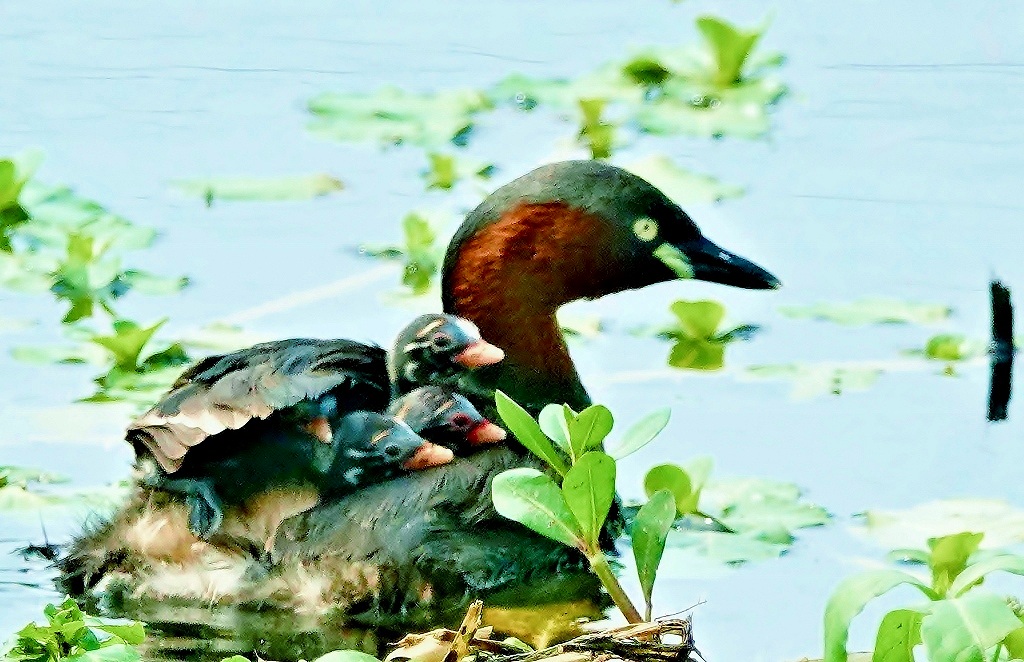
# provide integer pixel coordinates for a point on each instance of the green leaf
(849, 599)
(114, 653)
(151, 284)
(648, 534)
(703, 118)
(297, 187)
(552, 420)
(391, 116)
(729, 45)
(699, 319)
(589, 428)
(237, 658)
(15, 498)
(642, 433)
(532, 498)
(1002, 523)
(963, 629)
(697, 354)
(588, 489)
(127, 342)
(875, 310)
(898, 634)
(346, 656)
(676, 480)
(1014, 643)
(683, 186)
(447, 170)
(528, 432)
(596, 135)
(953, 347)
(949, 556)
(130, 633)
(772, 515)
(974, 573)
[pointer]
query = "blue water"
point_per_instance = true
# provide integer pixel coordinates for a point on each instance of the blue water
(893, 169)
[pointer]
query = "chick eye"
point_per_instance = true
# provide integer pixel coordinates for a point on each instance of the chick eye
(441, 341)
(645, 229)
(460, 422)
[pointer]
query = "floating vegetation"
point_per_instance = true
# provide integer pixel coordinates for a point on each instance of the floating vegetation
(15, 172)
(597, 135)
(683, 186)
(71, 247)
(391, 116)
(447, 170)
(960, 620)
(953, 347)
(1001, 522)
(69, 634)
(811, 380)
(299, 187)
(421, 253)
(875, 310)
(699, 344)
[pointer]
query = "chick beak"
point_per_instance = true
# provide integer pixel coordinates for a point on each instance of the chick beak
(714, 264)
(486, 432)
(479, 354)
(429, 455)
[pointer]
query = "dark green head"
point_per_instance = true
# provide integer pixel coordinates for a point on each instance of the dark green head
(437, 349)
(442, 416)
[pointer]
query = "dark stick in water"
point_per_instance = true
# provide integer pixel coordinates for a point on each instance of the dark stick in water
(1001, 351)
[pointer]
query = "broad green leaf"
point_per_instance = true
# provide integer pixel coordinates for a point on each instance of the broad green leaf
(297, 187)
(949, 556)
(697, 354)
(15, 498)
(589, 428)
(130, 633)
(699, 319)
(772, 515)
(597, 135)
(151, 284)
(871, 311)
(963, 629)
(850, 598)
(447, 170)
(532, 498)
(641, 433)
(727, 548)
(391, 116)
(898, 633)
(729, 45)
(683, 186)
(1014, 643)
(975, 572)
(528, 432)
(589, 488)
(346, 656)
(953, 347)
(608, 82)
(115, 653)
(673, 478)
(127, 342)
(703, 119)
(1002, 524)
(648, 534)
(553, 423)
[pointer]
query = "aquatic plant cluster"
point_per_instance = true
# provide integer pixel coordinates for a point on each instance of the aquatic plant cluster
(53, 241)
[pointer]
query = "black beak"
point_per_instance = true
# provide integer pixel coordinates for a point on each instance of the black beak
(717, 265)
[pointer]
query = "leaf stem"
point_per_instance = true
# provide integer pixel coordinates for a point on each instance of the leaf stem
(999, 649)
(599, 564)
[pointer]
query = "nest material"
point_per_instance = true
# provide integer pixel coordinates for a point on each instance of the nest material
(666, 640)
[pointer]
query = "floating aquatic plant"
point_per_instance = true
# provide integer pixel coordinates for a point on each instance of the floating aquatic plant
(683, 186)
(298, 187)
(699, 342)
(873, 310)
(391, 116)
(420, 253)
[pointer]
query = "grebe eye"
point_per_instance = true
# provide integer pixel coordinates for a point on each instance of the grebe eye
(441, 341)
(645, 229)
(461, 422)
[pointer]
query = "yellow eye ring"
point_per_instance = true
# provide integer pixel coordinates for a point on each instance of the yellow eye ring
(645, 229)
